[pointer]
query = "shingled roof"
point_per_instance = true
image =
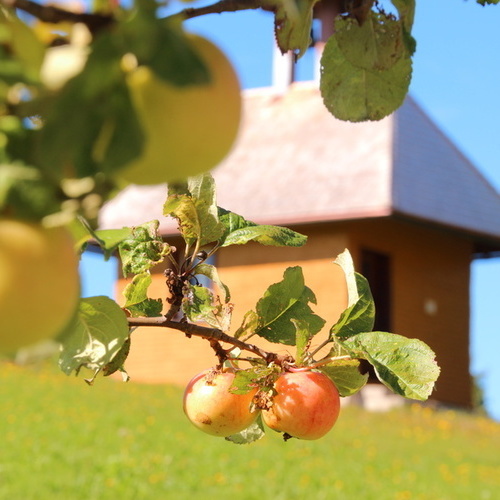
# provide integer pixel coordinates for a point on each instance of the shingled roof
(295, 163)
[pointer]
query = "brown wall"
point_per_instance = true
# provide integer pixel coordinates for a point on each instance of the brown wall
(428, 267)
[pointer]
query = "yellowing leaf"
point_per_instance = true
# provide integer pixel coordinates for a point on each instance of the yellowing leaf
(292, 24)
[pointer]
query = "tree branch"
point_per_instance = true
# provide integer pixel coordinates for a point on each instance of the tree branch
(223, 6)
(212, 334)
(51, 14)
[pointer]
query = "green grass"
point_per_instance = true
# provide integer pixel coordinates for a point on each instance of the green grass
(61, 439)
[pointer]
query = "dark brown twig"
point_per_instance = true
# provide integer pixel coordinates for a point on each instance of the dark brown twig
(223, 6)
(211, 334)
(51, 14)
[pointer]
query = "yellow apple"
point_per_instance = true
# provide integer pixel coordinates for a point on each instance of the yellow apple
(39, 283)
(189, 129)
(210, 406)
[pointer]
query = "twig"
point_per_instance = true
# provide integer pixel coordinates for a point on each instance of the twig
(223, 6)
(51, 14)
(321, 362)
(212, 334)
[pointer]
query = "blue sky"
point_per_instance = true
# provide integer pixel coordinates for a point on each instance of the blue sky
(456, 79)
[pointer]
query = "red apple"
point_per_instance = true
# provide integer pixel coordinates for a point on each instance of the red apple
(306, 405)
(210, 406)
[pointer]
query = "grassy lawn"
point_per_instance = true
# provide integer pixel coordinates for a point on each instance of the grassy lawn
(64, 440)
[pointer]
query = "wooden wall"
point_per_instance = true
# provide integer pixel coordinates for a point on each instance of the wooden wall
(430, 294)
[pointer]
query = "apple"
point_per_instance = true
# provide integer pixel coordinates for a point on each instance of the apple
(39, 283)
(306, 405)
(189, 129)
(210, 406)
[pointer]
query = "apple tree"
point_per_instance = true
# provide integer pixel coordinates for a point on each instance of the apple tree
(93, 100)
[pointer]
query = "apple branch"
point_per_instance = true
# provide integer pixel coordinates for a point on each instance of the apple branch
(223, 6)
(51, 14)
(211, 334)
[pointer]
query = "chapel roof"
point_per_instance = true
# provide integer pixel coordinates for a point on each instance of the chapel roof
(294, 163)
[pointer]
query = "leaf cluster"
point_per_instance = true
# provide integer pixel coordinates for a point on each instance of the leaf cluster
(72, 139)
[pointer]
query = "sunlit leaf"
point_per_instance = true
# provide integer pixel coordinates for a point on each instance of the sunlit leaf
(137, 301)
(110, 239)
(406, 366)
(239, 231)
(346, 376)
(302, 338)
(96, 337)
(200, 304)
(211, 272)
(283, 302)
(249, 325)
(249, 435)
(143, 249)
(247, 380)
(195, 208)
(360, 316)
(292, 24)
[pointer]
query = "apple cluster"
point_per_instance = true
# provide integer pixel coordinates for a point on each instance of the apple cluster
(306, 404)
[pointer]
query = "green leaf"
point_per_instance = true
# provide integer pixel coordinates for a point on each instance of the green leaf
(25, 194)
(116, 364)
(107, 239)
(200, 304)
(97, 336)
(360, 313)
(346, 376)
(249, 435)
(247, 380)
(354, 93)
(292, 23)
(283, 302)
(110, 239)
(137, 300)
(26, 46)
(249, 325)
(302, 338)
(266, 235)
(196, 210)
(344, 260)
(378, 41)
(162, 45)
(143, 249)
(239, 231)
(21, 52)
(406, 366)
(360, 317)
(406, 10)
(211, 272)
(17, 143)
(107, 133)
